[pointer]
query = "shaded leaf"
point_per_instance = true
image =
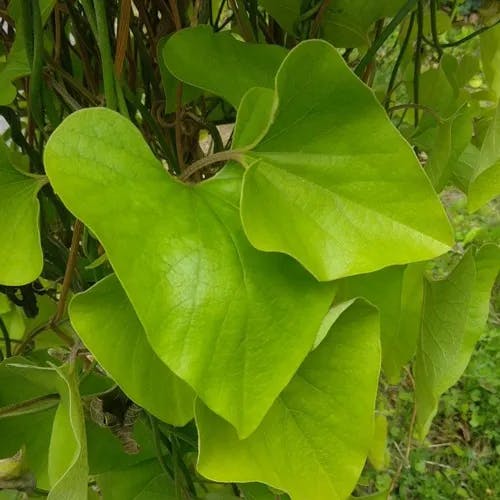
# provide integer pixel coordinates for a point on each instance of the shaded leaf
(235, 66)
(143, 481)
(485, 182)
(490, 58)
(454, 315)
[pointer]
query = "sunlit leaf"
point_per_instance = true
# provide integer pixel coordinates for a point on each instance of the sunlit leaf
(68, 466)
(490, 58)
(332, 182)
(314, 440)
(107, 324)
(217, 311)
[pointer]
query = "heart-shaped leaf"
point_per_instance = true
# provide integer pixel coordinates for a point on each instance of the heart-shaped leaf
(332, 182)
(235, 66)
(454, 315)
(108, 325)
(21, 256)
(315, 438)
(218, 312)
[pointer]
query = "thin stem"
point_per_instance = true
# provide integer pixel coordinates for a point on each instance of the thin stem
(122, 35)
(68, 275)
(418, 58)
(157, 442)
(469, 37)
(6, 339)
(434, 31)
(178, 127)
(399, 60)
(379, 41)
(105, 50)
(414, 105)
(210, 160)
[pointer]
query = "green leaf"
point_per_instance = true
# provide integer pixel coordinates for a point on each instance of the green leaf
(332, 182)
(144, 481)
(346, 22)
(485, 182)
(218, 312)
(397, 292)
(21, 256)
(377, 452)
(235, 66)
(68, 466)
(490, 58)
(107, 324)
(454, 316)
(14, 466)
(17, 64)
(314, 440)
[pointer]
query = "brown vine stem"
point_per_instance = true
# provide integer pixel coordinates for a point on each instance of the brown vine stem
(236, 155)
(319, 18)
(68, 275)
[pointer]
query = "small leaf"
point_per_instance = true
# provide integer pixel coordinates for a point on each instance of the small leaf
(314, 440)
(218, 312)
(485, 182)
(68, 467)
(14, 466)
(346, 22)
(377, 452)
(235, 66)
(332, 183)
(454, 316)
(21, 256)
(107, 324)
(490, 58)
(17, 64)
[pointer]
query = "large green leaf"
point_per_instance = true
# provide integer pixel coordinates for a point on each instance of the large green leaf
(217, 311)
(220, 63)
(68, 466)
(346, 22)
(315, 439)
(107, 324)
(454, 315)
(21, 256)
(397, 292)
(485, 182)
(332, 182)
